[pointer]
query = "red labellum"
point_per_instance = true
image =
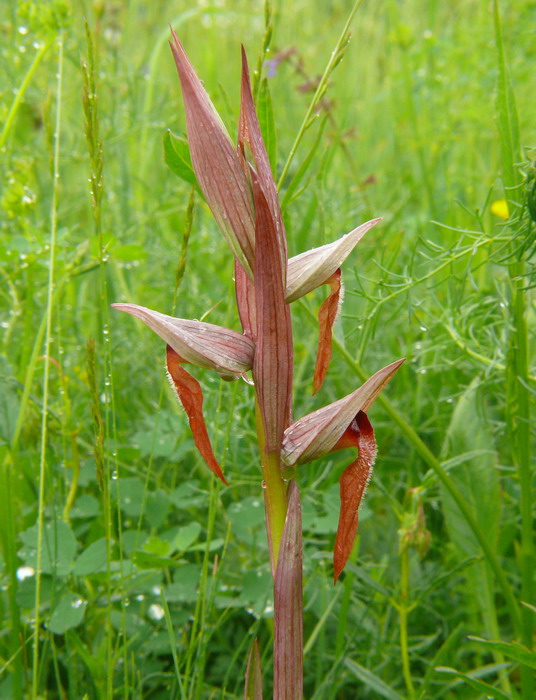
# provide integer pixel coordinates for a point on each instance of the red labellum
(191, 397)
(326, 319)
(353, 483)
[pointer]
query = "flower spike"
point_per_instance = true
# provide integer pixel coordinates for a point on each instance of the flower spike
(311, 269)
(202, 344)
(318, 433)
(341, 424)
(249, 134)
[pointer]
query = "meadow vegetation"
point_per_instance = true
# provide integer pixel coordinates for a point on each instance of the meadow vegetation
(155, 577)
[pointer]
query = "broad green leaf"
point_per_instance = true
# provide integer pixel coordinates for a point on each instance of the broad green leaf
(177, 158)
(488, 690)
(58, 548)
(513, 650)
(154, 545)
(265, 113)
(131, 491)
(68, 613)
(86, 506)
(186, 536)
(476, 477)
(129, 252)
(157, 507)
(372, 681)
(184, 586)
(146, 560)
(92, 559)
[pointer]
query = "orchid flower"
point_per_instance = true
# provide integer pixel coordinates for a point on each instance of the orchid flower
(239, 188)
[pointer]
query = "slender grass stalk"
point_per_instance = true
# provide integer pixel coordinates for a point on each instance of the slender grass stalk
(22, 91)
(403, 612)
(266, 41)
(96, 159)
(336, 56)
(48, 342)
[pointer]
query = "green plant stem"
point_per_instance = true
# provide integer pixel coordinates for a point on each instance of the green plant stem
(403, 611)
(275, 493)
(48, 340)
(21, 92)
(435, 465)
(322, 85)
(522, 456)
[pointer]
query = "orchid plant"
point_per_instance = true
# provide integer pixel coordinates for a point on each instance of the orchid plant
(239, 188)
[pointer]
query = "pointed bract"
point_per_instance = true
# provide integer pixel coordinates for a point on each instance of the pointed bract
(273, 363)
(288, 605)
(317, 434)
(217, 166)
(253, 689)
(202, 344)
(191, 397)
(353, 483)
(249, 134)
(309, 270)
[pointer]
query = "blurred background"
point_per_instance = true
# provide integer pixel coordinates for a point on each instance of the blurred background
(155, 578)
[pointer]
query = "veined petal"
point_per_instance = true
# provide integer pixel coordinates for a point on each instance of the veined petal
(249, 134)
(309, 270)
(191, 397)
(203, 344)
(326, 318)
(353, 483)
(216, 163)
(273, 362)
(318, 433)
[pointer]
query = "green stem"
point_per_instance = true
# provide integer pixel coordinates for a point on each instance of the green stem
(48, 340)
(275, 493)
(21, 92)
(320, 90)
(522, 456)
(403, 611)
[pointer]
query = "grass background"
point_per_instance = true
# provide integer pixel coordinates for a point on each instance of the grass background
(154, 578)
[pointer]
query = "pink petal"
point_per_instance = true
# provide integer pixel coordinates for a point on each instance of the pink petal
(353, 483)
(202, 344)
(191, 397)
(249, 134)
(309, 270)
(326, 319)
(318, 433)
(253, 690)
(216, 164)
(288, 605)
(273, 362)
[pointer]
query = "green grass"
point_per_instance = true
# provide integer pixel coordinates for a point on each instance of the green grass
(154, 578)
